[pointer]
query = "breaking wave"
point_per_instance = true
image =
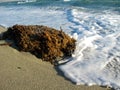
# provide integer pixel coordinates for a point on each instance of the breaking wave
(96, 60)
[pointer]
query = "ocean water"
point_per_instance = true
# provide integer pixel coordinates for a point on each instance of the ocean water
(95, 24)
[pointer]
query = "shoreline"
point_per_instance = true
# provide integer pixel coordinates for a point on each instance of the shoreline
(23, 71)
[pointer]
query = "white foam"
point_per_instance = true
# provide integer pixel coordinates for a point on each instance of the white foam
(49, 16)
(26, 1)
(66, 0)
(96, 60)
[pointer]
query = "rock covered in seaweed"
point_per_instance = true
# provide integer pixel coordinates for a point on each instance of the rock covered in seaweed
(46, 43)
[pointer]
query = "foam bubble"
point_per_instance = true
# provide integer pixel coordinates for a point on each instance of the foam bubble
(50, 16)
(97, 51)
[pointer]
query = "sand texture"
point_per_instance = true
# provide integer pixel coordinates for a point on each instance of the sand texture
(23, 71)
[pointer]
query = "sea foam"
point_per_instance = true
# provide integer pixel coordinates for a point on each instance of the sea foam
(96, 60)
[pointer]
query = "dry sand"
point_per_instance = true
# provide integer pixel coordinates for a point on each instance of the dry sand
(23, 71)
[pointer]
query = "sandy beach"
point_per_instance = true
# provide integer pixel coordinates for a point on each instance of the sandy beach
(23, 71)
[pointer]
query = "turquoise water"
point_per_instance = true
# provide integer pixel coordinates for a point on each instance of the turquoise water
(92, 4)
(113, 3)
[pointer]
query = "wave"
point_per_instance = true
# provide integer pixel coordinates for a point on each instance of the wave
(79, 3)
(76, 1)
(96, 60)
(26, 1)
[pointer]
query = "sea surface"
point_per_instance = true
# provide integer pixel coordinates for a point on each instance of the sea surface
(95, 24)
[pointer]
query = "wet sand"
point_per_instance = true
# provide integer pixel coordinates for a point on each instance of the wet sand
(23, 71)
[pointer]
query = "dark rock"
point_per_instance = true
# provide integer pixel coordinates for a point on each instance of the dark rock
(46, 43)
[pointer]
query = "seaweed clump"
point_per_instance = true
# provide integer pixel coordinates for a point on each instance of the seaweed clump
(44, 42)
